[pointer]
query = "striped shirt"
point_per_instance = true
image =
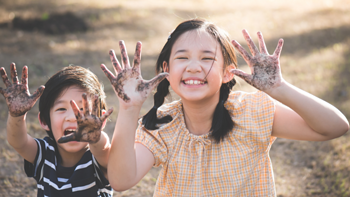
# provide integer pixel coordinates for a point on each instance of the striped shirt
(194, 165)
(84, 179)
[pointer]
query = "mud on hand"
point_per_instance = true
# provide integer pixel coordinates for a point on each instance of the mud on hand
(128, 83)
(89, 125)
(17, 95)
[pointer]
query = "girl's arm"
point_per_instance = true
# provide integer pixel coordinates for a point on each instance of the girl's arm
(128, 162)
(19, 102)
(299, 115)
(89, 130)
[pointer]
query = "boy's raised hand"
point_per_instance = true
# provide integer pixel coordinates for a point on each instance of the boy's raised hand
(89, 125)
(265, 68)
(128, 83)
(17, 95)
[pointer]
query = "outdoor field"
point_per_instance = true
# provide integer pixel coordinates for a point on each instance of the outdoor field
(49, 35)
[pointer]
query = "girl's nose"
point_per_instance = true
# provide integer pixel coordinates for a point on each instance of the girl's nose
(193, 66)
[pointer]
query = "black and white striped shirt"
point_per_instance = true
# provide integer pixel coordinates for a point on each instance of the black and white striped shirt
(84, 179)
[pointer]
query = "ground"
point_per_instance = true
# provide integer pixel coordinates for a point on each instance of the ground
(47, 35)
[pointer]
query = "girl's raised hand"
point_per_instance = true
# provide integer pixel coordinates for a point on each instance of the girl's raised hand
(128, 83)
(89, 125)
(265, 68)
(17, 95)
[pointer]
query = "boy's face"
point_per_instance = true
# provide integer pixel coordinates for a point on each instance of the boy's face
(63, 120)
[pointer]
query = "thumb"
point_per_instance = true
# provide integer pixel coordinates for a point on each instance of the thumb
(246, 77)
(67, 138)
(157, 79)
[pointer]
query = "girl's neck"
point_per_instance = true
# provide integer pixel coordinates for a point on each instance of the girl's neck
(70, 159)
(198, 116)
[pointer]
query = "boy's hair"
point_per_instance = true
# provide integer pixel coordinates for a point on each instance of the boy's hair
(61, 81)
(222, 123)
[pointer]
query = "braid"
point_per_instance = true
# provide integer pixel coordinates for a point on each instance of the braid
(222, 122)
(150, 120)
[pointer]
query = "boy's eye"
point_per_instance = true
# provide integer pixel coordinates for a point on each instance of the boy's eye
(61, 109)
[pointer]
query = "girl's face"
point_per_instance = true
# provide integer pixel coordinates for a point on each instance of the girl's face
(196, 67)
(63, 120)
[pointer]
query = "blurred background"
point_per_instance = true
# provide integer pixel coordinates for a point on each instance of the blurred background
(48, 35)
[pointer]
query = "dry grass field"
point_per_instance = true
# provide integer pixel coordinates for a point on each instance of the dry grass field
(315, 58)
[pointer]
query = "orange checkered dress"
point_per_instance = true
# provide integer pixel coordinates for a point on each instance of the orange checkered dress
(197, 166)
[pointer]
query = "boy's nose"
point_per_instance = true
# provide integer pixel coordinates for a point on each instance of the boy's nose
(70, 115)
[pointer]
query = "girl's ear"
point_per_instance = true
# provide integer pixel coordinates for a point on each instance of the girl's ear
(104, 122)
(43, 124)
(228, 76)
(166, 69)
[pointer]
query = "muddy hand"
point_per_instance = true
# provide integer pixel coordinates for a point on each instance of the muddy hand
(17, 95)
(265, 68)
(89, 125)
(128, 82)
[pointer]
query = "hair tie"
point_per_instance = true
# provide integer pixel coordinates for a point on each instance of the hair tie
(170, 34)
(155, 107)
(222, 102)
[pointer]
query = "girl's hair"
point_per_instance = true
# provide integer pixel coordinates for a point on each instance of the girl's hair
(222, 123)
(61, 81)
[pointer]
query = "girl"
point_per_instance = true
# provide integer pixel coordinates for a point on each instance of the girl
(212, 142)
(69, 169)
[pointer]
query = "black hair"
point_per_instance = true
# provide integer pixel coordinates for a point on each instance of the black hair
(61, 81)
(222, 122)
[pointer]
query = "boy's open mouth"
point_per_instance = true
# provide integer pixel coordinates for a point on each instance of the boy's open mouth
(69, 131)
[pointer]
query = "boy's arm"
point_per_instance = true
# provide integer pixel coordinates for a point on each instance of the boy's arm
(18, 138)
(100, 150)
(19, 102)
(306, 117)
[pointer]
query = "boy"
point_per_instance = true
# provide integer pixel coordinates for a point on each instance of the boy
(67, 168)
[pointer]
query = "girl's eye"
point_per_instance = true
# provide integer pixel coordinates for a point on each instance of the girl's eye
(181, 58)
(208, 58)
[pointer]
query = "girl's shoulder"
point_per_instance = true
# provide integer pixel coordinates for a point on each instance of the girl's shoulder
(239, 101)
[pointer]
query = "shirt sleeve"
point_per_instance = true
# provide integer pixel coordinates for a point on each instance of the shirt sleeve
(35, 169)
(253, 115)
(153, 140)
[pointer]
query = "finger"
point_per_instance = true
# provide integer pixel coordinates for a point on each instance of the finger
(137, 57)
(25, 76)
(262, 45)
(124, 53)
(36, 95)
(107, 114)
(108, 73)
(156, 80)
(242, 51)
(4, 77)
(94, 105)
(250, 42)
(278, 48)
(14, 73)
(86, 108)
(76, 110)
(246, 77)
(115, 62)
(67, 138)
